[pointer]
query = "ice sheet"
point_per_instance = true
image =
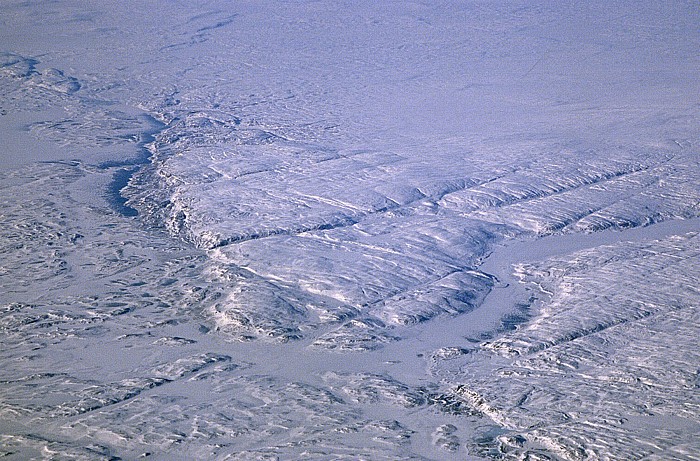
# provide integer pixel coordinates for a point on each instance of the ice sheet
(316, 252)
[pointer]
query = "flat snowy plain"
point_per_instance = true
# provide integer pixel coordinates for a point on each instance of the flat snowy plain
(446, 230)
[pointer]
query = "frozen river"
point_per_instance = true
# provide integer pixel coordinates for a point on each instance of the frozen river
(321, 230)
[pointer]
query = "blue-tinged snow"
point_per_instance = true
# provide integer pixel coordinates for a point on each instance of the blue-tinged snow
(342, 230)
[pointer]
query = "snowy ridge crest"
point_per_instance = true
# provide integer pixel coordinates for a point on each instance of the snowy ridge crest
(309, 235)
(615, 338)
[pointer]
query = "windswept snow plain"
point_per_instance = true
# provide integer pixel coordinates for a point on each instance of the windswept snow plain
(349, 230)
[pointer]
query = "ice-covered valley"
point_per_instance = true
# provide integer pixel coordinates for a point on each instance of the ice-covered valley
(349, 230)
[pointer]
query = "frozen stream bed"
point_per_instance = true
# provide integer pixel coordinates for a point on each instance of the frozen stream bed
(312, 230)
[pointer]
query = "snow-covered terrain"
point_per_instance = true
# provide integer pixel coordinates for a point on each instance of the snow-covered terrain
(349, 230)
